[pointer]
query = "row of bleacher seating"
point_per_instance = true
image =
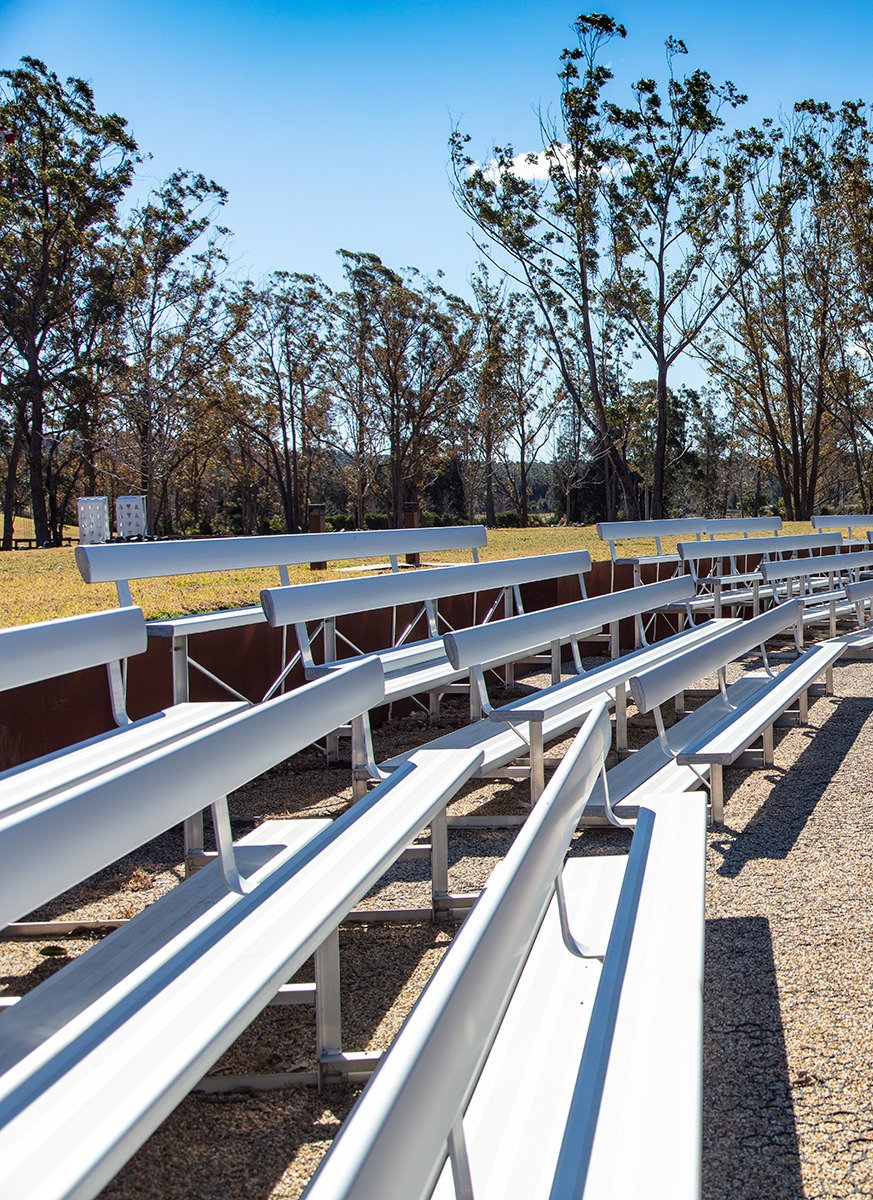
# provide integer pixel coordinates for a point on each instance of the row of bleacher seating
(77, 1055)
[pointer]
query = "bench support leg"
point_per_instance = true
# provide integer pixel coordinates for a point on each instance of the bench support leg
(803, 708)
(716, 794)
(331, 741)
(475, 699)
(620, 719)
(363, 759)
(193, 827)
(439, 860)
(556, 662)
(537, 762)
(767, 743)
(328, 1014)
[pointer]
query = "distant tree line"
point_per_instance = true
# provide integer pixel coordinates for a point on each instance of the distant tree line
(133, 359)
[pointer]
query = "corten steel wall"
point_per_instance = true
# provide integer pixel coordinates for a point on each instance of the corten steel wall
(43, 717)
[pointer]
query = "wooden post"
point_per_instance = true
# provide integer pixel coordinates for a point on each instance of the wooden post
(411, 520)
(316, 525)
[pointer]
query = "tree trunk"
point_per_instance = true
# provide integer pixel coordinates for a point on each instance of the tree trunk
(488, 448)
(9, 491)
(660, 460)
(37, 468)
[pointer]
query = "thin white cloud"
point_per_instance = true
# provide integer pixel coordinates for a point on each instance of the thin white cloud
(535, 165)
(527, 166)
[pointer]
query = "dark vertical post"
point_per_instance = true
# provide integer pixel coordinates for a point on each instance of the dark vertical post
(316, 525)
(411, 520)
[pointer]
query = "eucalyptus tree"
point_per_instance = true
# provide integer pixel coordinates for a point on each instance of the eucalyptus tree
(284, 349)
(542, 217)
(486, 415)
(670, 195)
(64, 169)
(530, 401)
(360, 442)
(417, 350)
(787, 343)
(180, 323)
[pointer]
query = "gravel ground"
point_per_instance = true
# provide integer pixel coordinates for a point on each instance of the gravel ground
(787, 1104)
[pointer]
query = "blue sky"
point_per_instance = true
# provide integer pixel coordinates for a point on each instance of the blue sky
(328, 124)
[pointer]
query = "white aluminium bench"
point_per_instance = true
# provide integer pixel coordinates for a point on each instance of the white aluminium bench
(517, 732)
(745, 526)
(737, 717)
(50, 649)
(614, 532)
(94, 1058)
(420, 666)
(820, 583)
(859, 643)
(726, 586)
(535, 1066)
(703, 529)
(656, 767)
(848, 522)
(121, 563)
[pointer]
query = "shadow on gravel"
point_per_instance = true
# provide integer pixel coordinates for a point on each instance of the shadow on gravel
(750, 1148)
(779, 822)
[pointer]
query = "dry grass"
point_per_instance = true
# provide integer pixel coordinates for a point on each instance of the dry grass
(38, 585)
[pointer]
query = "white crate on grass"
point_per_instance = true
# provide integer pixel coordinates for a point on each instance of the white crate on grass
(130, 516)
(93, 520)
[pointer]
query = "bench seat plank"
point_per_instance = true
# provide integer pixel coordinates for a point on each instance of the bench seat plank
(859, 641)
(499, 744)
(396, 657)
(604, 676)
(723, 743)
(184, 626)
(648, 1139)
(71, 766)
(532, 1067)
(650, 771)
(525, 1090)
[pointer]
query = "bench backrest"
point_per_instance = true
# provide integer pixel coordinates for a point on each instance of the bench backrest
(616, 531)
(339, 597)
(721, 526)
(857, 593)
(30, 653)
(823, 564)
(401, 1125)
(500, 640)
(659, 683)
(694, 551)
(120, 562)
(847, 521)
(48, 847)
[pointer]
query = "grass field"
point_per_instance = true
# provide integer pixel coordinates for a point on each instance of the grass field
(38, 585)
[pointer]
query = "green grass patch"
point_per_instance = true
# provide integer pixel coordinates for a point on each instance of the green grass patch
(39, 585)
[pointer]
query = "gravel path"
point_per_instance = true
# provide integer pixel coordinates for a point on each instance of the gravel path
(788, 1107)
